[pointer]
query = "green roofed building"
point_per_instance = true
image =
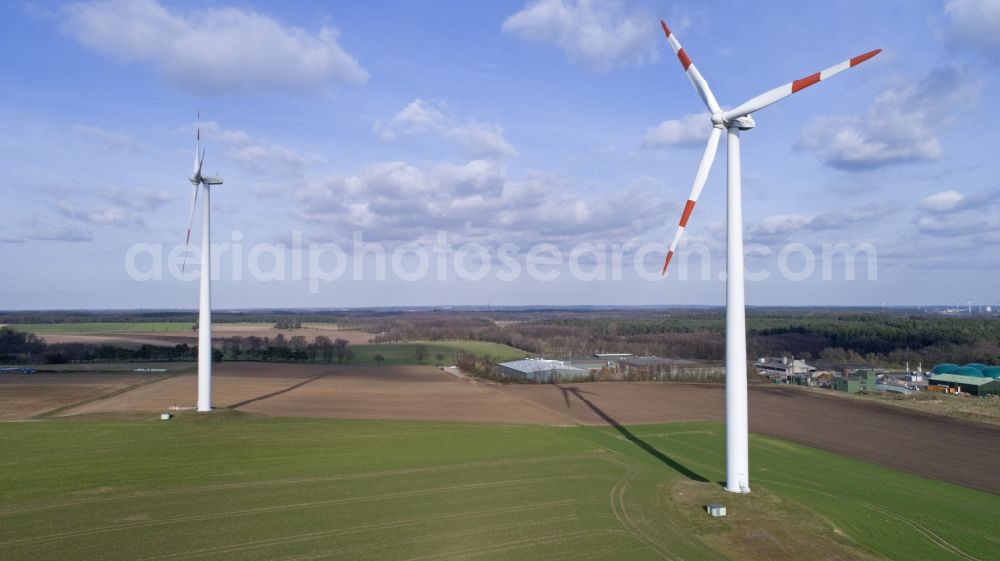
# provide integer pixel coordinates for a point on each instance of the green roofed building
(864, 381)
(975, 385)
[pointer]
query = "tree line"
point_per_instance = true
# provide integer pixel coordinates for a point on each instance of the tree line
(296, 348)
(837, 337)
(17, 347)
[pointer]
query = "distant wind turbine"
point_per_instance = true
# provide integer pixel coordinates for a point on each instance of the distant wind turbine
(735, 120)
(205, 301)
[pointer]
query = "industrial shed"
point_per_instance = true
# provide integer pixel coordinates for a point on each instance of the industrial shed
(542, 371)
(853, 384)
(975, 385)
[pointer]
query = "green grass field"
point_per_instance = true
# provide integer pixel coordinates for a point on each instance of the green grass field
(405, 353)
(228, 486)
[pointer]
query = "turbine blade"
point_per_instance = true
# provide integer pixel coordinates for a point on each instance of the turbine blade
(187, 242)
(699, 182)
(197, 144)
(781, 92)
(700, 85)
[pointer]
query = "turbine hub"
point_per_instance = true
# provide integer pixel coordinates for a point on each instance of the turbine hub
(717, 119)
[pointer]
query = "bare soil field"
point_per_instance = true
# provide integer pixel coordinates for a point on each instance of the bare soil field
(354, 392)
(939, 447)
(23, 396)
(219, 332)
(935, 446)
(964, 406)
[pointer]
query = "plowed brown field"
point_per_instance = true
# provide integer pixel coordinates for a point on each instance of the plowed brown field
(945, 448)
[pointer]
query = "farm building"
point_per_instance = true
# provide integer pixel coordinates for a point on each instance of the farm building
(975, 385)
(846, 384)
(975, 369)
(589, 362)
(663, 368)
(782, 367)
(854, 384)
(540, 370)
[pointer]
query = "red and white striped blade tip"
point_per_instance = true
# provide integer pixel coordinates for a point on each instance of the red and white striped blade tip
(861, 58)
(681, 54)
(666, 263)
(815, 78)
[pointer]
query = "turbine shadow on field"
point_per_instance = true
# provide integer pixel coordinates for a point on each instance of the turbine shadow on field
(279, 392)
(667, 460)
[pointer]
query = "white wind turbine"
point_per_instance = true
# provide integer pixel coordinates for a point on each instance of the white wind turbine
(205, 301)
(735, 120)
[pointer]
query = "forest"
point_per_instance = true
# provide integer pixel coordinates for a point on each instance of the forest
(834, 337)
(838, 337)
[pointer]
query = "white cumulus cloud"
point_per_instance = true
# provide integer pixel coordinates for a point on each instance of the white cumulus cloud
(598, 34)
(256, 155)
(476, 200)
(901, 126)
(691, 130)
(482, 140)
(213, 50)
(943, 201)
(418, 117)
(421, 117)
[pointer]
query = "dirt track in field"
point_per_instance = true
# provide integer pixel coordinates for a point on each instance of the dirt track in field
(950, 449)
(349, 392)
(23, 396)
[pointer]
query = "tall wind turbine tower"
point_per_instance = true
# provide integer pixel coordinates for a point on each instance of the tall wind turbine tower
(205, 296)
(733, 121)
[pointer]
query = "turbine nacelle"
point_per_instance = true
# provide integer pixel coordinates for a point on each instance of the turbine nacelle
(743, 123)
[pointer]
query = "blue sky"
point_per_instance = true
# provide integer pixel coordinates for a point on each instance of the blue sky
(520, 123)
